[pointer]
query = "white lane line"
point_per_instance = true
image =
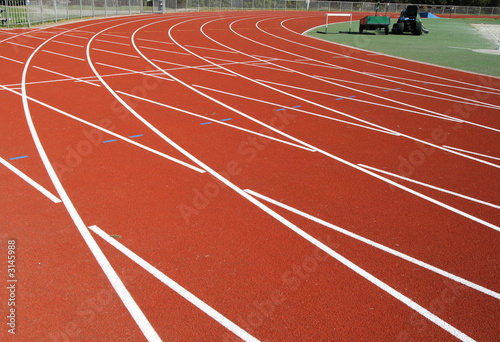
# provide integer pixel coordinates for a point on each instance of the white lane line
(211, 49)
(101, 259)
(475, 153)
(412, 93)
(379, 246)
(427, 198)
(441, 117)
(162, 50)
(21, 45)
(155, 41)
(111, 42)
(216, 121)
(113, 35)
(30, 181)
(441, 323)
(66, 76)
(63, 55)
(358, 59)
(433, 187)
(400, 70)
(115, 53)
(371, 173)
(438, 321)
(163, 155)
(295, 109)
(132, 72)
(69, 44)
(12, 60)
(317, 104)
(497, 92)
(207, 309)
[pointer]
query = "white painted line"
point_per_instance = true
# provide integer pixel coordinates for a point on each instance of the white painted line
(115, 53)
(66, 76)
(358, 270)
(101, 259)
(12, 60)
(217, 121)
(194, 168)
(295, 109)
(155, 41)
(427, 198)
(475, 153)
(132, 72)
(63, 55)
(440, 116)
(21, 45)
(365, 61)
(111, 42)
(207, 309)
(69, 44)
(113, 35)
(432, 83)
(432, 187)
(211, 49)
(162, 50)
(30, 181)
(379, 246)
(312, 102)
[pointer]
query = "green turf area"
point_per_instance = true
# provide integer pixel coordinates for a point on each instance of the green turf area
(450, 43)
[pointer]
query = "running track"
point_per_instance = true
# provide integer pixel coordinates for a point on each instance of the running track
(219, 176)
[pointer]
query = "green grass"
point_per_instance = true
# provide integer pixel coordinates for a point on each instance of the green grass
(450, 43)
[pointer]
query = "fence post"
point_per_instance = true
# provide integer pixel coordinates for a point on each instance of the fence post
(27, 13)
(55, 10)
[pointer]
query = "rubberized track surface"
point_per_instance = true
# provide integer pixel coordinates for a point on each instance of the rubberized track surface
(219, 176)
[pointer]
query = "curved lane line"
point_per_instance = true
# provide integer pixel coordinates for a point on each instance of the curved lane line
(212, 313)
(103, 262)
(377, 282)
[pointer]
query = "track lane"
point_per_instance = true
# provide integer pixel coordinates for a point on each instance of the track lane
(269, 171)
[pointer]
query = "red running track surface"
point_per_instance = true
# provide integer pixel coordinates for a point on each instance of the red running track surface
(221, 176)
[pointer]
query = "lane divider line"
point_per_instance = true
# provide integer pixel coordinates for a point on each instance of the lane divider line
(407, 301)
(207, 309)
(432, 187)
(217, 122)
(30, 181)
(161, 154)
(126, 298)
(378, 246)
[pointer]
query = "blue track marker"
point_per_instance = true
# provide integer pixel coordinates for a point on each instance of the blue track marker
(387, 90)
(108, 141)
(206, 123)
(227, 119)
(296, 106)
(352, 96)
(279, 110)
(16, 158)
(135, 136)
(340, 98)
(397, 88)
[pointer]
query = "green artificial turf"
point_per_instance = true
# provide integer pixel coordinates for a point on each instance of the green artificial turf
(450, 43)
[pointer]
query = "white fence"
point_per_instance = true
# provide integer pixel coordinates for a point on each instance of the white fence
(15, 13)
